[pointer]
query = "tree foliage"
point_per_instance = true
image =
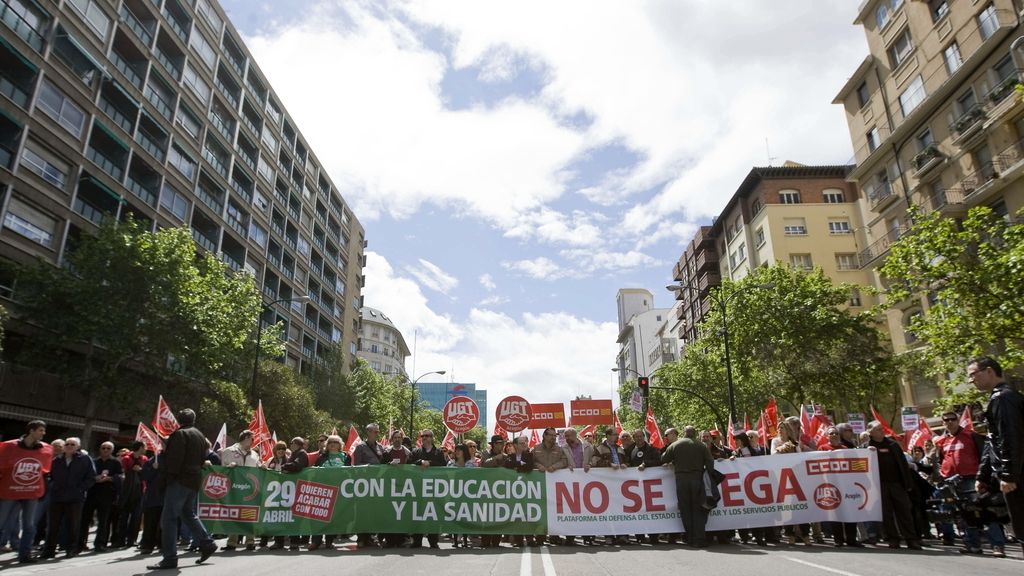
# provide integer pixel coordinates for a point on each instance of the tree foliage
(791, 337)
(127, 301)
(972, 271)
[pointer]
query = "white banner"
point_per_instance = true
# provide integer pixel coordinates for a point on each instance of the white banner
(837, 486)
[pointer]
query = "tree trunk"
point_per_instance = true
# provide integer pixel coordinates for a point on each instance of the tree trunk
(90, 417)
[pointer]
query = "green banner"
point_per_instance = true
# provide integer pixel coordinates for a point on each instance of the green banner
(372, 499)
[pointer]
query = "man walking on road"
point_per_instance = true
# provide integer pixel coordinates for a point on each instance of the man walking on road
(691, 459)
(181, 473)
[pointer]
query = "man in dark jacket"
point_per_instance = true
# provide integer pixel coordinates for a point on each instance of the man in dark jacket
(152, 504)
(181, 473)
(896, 483)
(130, 497)
(70, 479)
(690, 459)
(425, 456)
(101, 498)
(297, 462)
(1003, 463)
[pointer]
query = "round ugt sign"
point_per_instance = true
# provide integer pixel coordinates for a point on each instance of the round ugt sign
(513, 414)
(461, 414)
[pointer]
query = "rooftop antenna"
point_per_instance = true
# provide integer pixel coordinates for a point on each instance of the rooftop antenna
(768, 150)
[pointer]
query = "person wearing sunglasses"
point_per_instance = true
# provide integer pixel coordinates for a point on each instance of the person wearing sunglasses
(425, 456)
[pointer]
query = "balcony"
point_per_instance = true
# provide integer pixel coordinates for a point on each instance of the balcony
(17, 76)
(152, 137)
(883, 195)
(143, 181)
(946, 200)
(878, 248)
(128, 60)
(161, 97)
(967, 126)
(242, 184)
(215, 154)
(177, 19)
(107, 151)
(926, 160)
(228, 87)
(203, 241)
(34, 34)
(142, 31)
(225, 127)
(94, 201)
(210, 194)
(169, 56)
(119, 106)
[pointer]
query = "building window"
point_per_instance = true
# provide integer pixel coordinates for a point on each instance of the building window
(203, 49)
(833, 196)
(802, 261)
(882, 15)
(988, 22)
(839, 227)
(174, 202)
(901, 49)
(94, 16)
(264, 169)
(269, 139)
(193, 81)
(30, 223)
(846, 261)
(733, 262)
(939, 9)
(966, 102)
(795, 226)
(259, 201)
(741, 256)
(855, 298)
(257, 234)
(789, 197)
(759, 237)
(59, 107)
(912, 96)
(183, 162)
(952, 56)
(203, 7)
(863, 97)
(188, 121)
(756, 206)
(925, 139)
(873, 139)
(44, 163)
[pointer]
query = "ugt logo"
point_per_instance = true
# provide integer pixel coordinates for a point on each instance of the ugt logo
(827, 496)
(27, 471)
(216, 486)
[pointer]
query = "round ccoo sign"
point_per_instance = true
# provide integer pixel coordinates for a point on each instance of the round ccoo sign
(461, 414)
(513, 414)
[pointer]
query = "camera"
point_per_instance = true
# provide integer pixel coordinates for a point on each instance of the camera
(953, 502)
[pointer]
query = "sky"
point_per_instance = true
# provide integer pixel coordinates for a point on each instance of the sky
(515, 164)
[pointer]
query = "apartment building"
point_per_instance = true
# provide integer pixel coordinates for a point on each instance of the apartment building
(935, 123)
(804, 216)
(643, 343)
(156, 109)
(381, 343)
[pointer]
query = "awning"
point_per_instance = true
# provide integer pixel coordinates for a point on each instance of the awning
(26, 414)
(95, 182)
(111, 134)
(7, 115)
(125, 93)
(18, 54)
(85, 52)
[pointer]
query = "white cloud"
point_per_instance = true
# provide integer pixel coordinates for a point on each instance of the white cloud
(433, 277)
(540, 268)
(600, 260)
(494, 300)
(487, 281)
(506, 355)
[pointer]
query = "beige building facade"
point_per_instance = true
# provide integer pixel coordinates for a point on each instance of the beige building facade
(381, 343)
(935, 123)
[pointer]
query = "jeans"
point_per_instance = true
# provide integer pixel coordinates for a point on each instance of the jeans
(179, 502)
(972, 534)
(28, 525)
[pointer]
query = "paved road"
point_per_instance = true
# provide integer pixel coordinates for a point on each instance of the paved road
(554, 561)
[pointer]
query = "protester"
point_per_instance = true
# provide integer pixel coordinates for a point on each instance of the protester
(642, 456)
(1003, 464)
(494, 457)
(397, 453)
(101, 497)
(894, 476)
(181, 476)
(787, 442)
(332, 456)
(152, 505)
(369, 453)
(843, 533)
(691, 460)
(746, 449)
(22, 496)
(130, 498)
(240, 454)
(71, 477)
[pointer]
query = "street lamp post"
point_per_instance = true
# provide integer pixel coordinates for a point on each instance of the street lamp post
(259, 335)
(412, 398)
(723, 308)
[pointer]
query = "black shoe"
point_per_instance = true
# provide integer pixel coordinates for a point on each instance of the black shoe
(855, 545)
(205, 551)
(250, 547)
(28, 560)
(228, 548)
(145, 551)
(48, 554)
(162, 566)
(971, 551)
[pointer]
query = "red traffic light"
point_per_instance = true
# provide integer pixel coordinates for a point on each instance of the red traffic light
(644, 384)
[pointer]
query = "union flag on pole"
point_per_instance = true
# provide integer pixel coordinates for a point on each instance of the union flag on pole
(762, 431)
(922, 433)
(652, 430)
(618, 428)
(771, 420)
(164, 422)
(352, 441)
(149, 438)
(262, 440)
(498, 430)
(534, 439)
(966, 422)
(885, 425)
(730, 442)
(449, 441)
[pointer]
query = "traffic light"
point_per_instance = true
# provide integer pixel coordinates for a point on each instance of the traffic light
(644, 384)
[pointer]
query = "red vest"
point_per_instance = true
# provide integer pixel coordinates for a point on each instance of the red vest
(959, 454)
(22, 471)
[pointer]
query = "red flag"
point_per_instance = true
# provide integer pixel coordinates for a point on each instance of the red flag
(771, 420)
(498, 430)
(261, 437)
(820, 423)
(149, 438)
(731, 440)
(805, 420)
(164, 422)
(922, 433)
(885, 425)
(618, 425)
(591, 429)
(534, 438)
(352, 441)
(762, 430)
(652, 430)
(966, 422)
(449, 441)
(746, 423)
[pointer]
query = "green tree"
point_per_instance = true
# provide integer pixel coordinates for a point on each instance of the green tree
(971, 271)
(791, 337)
(129, 302)
(332, 385)
(289, 404)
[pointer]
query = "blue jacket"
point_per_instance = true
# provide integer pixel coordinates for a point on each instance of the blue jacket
(69, 482)
(154, 494)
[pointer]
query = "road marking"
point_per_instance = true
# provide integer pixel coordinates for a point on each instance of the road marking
(526, 566)
(820, 567)
(549, 566)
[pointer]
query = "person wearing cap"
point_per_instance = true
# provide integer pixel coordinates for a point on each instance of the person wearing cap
(691, 460)
(493, 457)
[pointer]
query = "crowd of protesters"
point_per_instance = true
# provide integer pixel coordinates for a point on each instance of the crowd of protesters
(149, 501)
